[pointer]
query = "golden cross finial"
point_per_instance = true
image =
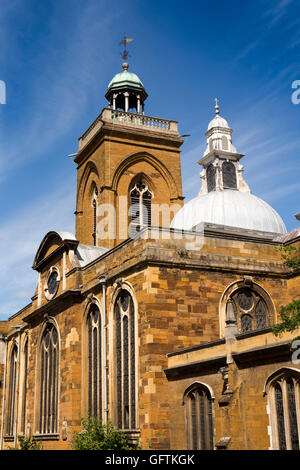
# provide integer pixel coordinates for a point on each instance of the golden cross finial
(124, 42)
(217, 105)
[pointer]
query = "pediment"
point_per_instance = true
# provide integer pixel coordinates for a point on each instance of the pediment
(53, 242)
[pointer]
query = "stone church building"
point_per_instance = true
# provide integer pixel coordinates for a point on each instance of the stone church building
(156, 315)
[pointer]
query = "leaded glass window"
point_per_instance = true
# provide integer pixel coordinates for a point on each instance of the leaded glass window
(125, 360)
(49, 381)
(293, 427)
(140, 206)
(251, 309)
(280, 417)
(199, 418)
(229, 175)
(94, 362)
(284, 400)
(12, 392)
(24, 398)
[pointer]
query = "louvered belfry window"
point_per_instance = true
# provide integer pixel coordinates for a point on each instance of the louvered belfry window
(12, 391)
(94, 362)
(49, 381)
(285, 407)
(140, 206)
(211, 177)
(199, 418)
(229, 175)
(125, 360)
(251, 310)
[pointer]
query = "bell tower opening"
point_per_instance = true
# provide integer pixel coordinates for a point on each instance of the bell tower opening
(140, 196)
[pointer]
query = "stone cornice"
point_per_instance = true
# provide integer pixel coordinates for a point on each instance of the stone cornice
(195, 368)
(53, 304)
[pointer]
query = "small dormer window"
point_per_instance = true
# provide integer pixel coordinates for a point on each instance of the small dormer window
(229, 175)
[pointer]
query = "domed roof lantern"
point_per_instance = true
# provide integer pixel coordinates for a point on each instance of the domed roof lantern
(126, 91)
(225, 198)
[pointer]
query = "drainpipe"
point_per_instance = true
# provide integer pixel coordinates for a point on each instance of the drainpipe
(4, 338)
(102, 280)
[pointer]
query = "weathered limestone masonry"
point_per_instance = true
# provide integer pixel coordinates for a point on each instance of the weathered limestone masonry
(165, 330)
(237, 370)
(178, 294)
(111, 158)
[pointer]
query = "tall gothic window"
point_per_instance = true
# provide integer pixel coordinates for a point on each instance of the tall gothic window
(199, 418)
(12, 392)
(229, 175)
(284, 400)
(125, 360)
(49, 380)
(250, 310)
(24, 386)
(94, 205)
(140, 206)
(94, 362)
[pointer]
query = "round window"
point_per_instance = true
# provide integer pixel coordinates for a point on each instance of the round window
(52, 283)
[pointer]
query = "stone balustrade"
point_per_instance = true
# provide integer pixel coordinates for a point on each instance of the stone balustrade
(119, 117)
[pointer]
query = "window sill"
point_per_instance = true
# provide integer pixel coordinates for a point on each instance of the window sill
(46, 437)
(254, 333)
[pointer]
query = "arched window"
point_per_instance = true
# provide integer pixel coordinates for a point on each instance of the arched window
(283, 390)
(24, 386)
(250, 309)
(94, 205)
(49, 357)
(211, 177)
(94, 327)
(229, 175)
(140, 206)
(125, 360)
(12, 392)
(198, 404)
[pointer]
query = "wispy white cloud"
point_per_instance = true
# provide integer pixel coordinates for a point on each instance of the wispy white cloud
(61, 90)
(280, 192)
(276, 12)
(20, 237)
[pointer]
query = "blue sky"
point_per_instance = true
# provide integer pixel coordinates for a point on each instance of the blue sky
(57, 58)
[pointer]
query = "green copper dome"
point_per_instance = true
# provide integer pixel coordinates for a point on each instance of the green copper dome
(126, 91)
(125, 78)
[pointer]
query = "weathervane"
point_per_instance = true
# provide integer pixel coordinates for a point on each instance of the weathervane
(125, 41)
(217, 106)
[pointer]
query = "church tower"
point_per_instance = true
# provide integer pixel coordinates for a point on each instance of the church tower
(128, 167)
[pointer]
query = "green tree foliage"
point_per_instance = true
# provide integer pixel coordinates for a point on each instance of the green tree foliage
(290, 255)
(27, 444)
(290, 313)
(97, 436)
